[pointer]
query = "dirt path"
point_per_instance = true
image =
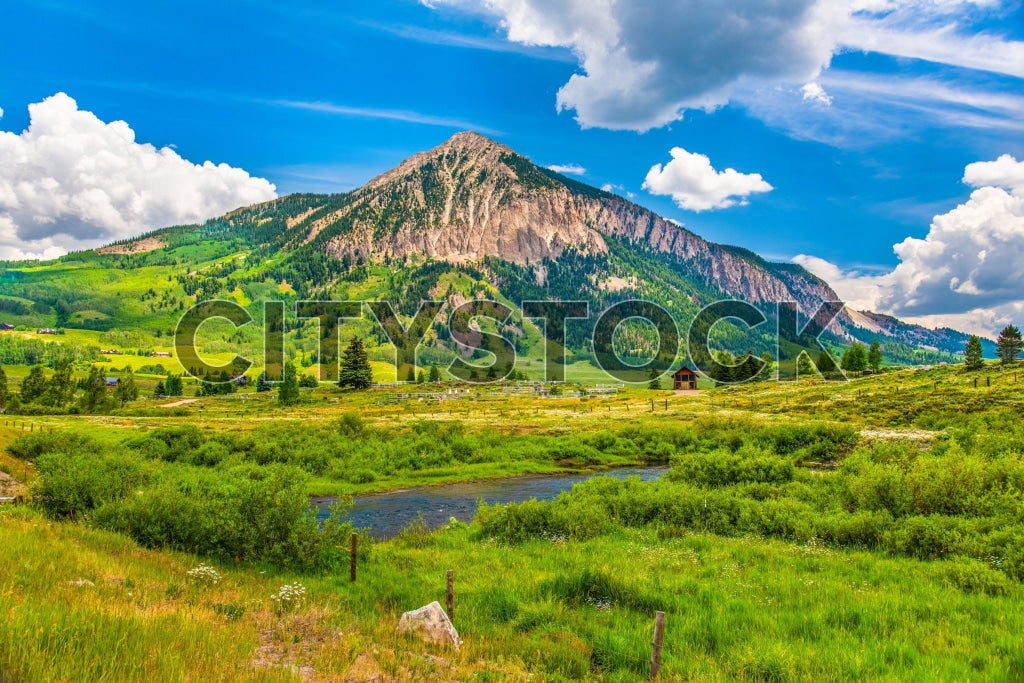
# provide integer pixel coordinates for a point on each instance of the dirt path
(175, 404)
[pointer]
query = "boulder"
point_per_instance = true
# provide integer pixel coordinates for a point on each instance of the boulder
(430, 623)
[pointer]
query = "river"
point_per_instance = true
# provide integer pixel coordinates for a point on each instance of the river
(386, 514)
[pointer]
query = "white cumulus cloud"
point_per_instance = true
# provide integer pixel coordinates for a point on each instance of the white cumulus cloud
(71, 181)
(813, 92)
(694, 184)
(643, 64)
(568, 169)
(966, 271)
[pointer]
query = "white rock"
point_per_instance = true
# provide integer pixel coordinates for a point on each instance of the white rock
(432, 624)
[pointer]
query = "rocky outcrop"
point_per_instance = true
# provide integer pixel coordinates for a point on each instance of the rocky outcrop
(472, 197)
(431, 624)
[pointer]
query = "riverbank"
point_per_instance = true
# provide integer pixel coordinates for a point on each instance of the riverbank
(386, 515)
(465, 474)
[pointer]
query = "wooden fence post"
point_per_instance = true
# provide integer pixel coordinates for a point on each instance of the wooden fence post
(352, 566)
(659, 636)
(450, 595)
(988, 381)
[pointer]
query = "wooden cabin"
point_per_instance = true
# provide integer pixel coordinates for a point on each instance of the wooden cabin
(685, 379)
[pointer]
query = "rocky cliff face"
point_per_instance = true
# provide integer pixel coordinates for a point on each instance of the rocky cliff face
(472, 197)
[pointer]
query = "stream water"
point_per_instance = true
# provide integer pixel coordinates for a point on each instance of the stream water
(386, 514)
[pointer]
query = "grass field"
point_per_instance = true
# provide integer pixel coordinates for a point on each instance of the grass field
(567, 591)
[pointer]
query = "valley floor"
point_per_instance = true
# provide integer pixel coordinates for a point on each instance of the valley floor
(85, 604)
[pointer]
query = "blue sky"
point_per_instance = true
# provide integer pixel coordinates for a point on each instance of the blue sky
(322, 96)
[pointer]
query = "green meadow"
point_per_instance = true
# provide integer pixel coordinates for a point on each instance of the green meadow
(869, 529)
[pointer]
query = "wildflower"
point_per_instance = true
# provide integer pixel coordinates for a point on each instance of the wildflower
(288, 597)
(204, 575)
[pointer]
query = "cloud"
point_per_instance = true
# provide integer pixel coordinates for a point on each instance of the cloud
(966, 269)
(71, 181)
(813, 92)
(694, 184)
(643, 64)
(568, 169)
(871, 109)
(388, 114)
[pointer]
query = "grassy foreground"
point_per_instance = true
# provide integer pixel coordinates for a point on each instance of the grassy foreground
(554, 601)
(87, 605)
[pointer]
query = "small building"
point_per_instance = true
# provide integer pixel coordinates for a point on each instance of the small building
(113, 381)
(6, 327)
(47, 330)
(160, 354)
(684, 379)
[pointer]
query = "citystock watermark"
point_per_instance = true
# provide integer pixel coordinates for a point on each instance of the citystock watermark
(485, 355)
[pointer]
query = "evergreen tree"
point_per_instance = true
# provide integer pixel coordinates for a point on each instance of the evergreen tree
(768, 369)
(435, 374)
(288, 392)
(972, 355)
(855, 358)
(262, 383)
(724, 371)
(60, 389)
(804, 365)
(160, 391)
(410, 376)
(421, 378)
(875, 356)
(127, 390)
(33, 386)
(95, 386)
(3, 388)
(309, 381)
(1009, 344)
(173, 385)
(355, 367)
(655, 379)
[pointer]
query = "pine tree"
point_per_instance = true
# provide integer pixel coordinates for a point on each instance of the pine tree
(804, 365)
(875, 356)
(33, 386)
(421, 378)
(655, 379)
(410, 376)
(355, 367)
(435, 374)
(288, 392)
(1009, 344)
(127, 390)
(59, 389)
(3, 388)
(262, 383)
(855, 358)
(160, 391)
(972, 354)
(95, 387)
(172, 386)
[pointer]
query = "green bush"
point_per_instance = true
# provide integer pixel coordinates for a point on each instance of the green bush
(72, 484)
(972, 576)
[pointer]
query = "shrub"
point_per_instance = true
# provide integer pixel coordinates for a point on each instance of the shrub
(600, 590)
(31, 446)
(972, 576)
(74, 484)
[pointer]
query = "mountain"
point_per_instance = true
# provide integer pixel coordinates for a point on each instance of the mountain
(472, 216)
